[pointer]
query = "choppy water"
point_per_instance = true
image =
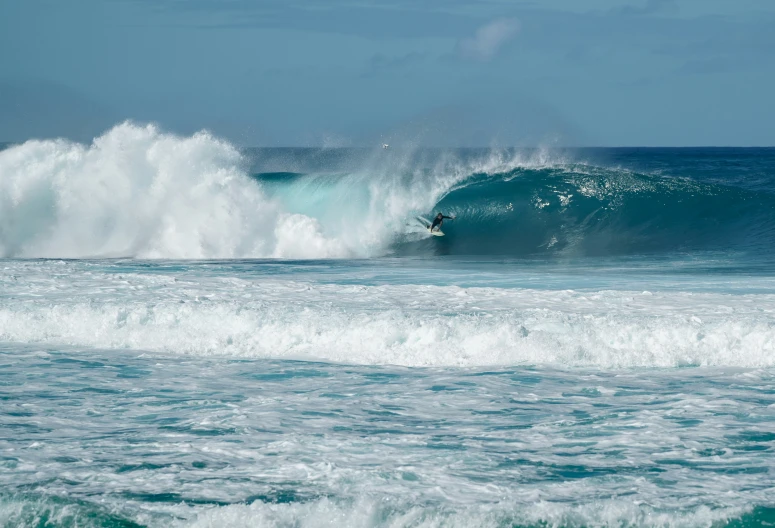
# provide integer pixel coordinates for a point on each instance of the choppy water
(118, 437)
(592, 343)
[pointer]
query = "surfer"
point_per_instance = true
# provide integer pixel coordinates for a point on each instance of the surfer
(439, 220)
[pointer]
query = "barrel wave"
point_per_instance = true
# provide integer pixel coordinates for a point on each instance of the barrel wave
(139, 192)
(585, 210)
(531, 204)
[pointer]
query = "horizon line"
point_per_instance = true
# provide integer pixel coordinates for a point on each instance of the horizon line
(436, 147)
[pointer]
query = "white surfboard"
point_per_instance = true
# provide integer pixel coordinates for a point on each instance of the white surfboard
(427, 224)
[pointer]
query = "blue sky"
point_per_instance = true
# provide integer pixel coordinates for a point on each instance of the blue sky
(435, 72)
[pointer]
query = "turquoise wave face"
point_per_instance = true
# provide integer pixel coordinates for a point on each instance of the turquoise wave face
(600, 212)
(565, 210)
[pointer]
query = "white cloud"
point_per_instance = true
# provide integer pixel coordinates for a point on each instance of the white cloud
(489, 39)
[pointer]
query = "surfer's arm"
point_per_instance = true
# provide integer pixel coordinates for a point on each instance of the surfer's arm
(449, 217)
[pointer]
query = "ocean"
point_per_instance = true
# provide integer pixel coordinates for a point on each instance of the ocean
(195, 334)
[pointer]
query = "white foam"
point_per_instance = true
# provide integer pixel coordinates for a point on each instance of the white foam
(412, 325)
(387, 514)
(133, 192)
(138, 192)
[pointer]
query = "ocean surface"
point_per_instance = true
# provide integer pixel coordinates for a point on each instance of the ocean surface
(193, 334)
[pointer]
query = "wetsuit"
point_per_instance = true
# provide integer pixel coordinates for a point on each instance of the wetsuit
(438, 221)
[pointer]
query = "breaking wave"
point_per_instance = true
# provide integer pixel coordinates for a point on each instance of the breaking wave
(139, 192)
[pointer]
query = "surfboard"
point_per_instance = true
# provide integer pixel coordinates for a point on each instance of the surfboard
(427, 224)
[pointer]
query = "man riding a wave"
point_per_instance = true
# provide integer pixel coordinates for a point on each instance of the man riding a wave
(439, 220)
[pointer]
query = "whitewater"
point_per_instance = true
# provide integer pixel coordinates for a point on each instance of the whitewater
(195, 334)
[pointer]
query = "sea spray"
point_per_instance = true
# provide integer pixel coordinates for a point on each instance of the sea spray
(138, 192)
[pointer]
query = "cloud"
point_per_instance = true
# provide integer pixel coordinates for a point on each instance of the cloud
(489, 39)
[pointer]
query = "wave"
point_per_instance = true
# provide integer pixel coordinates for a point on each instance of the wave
(581, 210)
(524, 207)
(466, 327)
(371, 512)
(138, 192)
